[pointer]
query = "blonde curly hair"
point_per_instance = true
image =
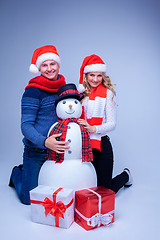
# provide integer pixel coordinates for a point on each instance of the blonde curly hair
(105, 81)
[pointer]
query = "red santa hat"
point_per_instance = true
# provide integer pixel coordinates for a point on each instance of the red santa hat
(42, 54)
(92, 63)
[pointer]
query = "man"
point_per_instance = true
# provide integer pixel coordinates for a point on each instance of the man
(38, 114)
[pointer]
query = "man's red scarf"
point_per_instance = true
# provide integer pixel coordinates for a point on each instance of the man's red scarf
(46, 84)
(61, 127)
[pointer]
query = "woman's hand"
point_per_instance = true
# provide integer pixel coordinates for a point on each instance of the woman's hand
(57, 146)
(91, 129)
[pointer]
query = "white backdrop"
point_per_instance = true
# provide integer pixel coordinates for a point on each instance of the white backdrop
(124, 33)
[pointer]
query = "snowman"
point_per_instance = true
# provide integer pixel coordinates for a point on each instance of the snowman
(72, 169)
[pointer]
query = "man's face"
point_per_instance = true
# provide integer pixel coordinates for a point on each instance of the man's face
(49, 69)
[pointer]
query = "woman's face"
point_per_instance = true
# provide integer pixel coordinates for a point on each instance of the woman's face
(94, 79)
(49, 69)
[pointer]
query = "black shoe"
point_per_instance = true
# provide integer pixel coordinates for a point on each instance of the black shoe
(10, 181)
(20, 167)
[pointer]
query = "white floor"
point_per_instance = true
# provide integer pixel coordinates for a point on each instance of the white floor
(136, 216)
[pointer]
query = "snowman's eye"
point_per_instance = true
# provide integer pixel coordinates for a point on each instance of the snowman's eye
(76, 102)
(64, 102)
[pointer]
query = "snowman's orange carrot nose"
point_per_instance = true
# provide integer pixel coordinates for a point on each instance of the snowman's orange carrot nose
(70, 105)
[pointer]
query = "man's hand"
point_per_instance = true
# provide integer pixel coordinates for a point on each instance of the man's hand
(57, 146)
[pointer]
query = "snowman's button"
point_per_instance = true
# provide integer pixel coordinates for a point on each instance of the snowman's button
(68, 127)
(69, 140)
(69, 151)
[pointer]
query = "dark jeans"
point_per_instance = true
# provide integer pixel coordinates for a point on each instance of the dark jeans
(103, 163)
(26, 179)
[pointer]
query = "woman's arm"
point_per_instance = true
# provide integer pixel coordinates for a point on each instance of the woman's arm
(109, 115)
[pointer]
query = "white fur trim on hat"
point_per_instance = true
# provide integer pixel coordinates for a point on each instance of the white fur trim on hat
(47, 56)
(33, 69)
(80, 88)
(95, 68)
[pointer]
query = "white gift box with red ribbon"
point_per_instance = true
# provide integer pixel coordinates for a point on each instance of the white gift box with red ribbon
(52, 206)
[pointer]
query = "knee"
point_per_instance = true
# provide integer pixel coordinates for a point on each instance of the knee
(25, 198)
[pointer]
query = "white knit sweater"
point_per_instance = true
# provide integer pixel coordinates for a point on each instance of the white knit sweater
(109, 114)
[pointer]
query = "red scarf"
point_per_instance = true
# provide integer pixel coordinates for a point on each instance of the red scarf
(61, 126)
(96, 105)
(46, 84)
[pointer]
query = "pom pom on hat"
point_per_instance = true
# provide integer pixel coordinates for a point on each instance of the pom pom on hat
(42, 54)
(33, 69)
(92, 63)
(81, 88)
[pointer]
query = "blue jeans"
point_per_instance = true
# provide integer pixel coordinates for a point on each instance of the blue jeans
(26, 179)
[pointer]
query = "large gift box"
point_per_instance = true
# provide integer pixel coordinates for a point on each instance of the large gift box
(94, 207)
(52, 206)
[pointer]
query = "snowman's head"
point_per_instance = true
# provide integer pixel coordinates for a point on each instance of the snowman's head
(69, 108)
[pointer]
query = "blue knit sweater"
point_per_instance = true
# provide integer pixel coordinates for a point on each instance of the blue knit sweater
(38, 113)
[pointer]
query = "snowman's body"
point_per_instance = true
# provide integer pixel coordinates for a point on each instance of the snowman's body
(72, 172)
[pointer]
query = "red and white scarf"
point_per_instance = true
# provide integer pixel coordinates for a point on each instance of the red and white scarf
(46, 84)
(94, 111)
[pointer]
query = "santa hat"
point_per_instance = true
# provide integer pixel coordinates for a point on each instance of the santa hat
(92, 63)
(42, 54)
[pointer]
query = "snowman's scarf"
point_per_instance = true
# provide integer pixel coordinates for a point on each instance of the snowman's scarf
(61, 127)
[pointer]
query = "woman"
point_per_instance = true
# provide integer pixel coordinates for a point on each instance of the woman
(99, 118)
(38, 114)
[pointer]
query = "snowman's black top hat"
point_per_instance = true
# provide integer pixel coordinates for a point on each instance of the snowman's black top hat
(68, 91)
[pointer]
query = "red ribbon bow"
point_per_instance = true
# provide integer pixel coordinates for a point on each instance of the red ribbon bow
(56, 209)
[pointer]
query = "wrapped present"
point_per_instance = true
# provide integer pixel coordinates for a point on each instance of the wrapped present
(94, 207)
(52, 206)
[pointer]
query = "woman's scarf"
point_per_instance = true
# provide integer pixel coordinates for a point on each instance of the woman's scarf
(95, 112)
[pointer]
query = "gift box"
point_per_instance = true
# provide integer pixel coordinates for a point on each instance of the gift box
(52, 206)
(94, 207)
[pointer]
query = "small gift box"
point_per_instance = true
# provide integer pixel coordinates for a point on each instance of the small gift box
(52, 206)
(94, 207)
